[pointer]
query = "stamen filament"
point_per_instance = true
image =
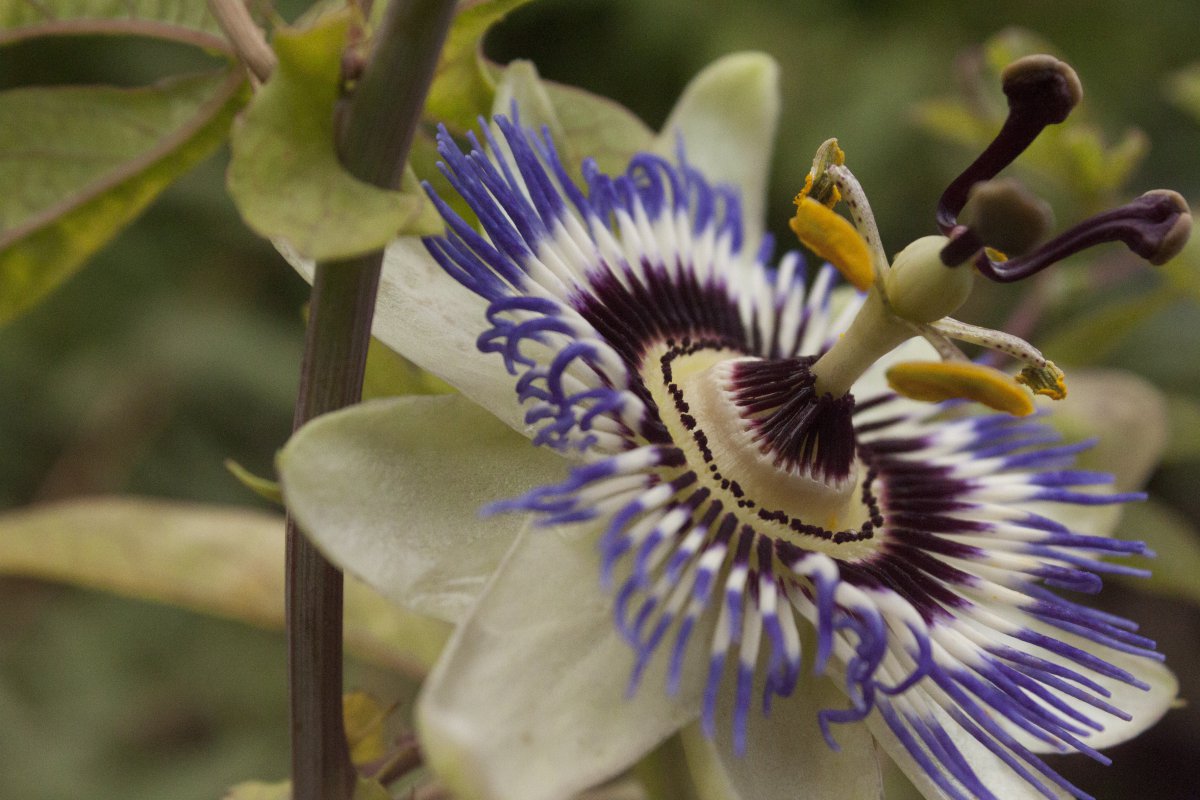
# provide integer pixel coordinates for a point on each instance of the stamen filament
(999, 341)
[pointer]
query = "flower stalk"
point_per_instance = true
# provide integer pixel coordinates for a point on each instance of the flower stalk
(374, 134)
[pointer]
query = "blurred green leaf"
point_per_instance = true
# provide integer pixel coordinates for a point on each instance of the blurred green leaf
(1171, 535)
(1183, 271)
(390, 374)
(366, 789)
(285, 176)
(80, 163)
(263, 487)
(1073, 155)
(364, 718)
(1012, 43)
(462, 88)
(582, 124)
(257, 790)
(214, 560)
(1183, 416)
(1091, 338)
(1183, 88)
(181, 20)
(954, 122)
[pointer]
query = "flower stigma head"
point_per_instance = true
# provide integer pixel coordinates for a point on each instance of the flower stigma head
(744, 465)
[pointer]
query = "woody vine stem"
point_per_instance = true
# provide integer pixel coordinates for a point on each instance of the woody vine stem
(374, 134)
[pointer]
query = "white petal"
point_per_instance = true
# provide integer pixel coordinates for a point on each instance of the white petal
(432, 320)
(991, 771)
(528, 701)
(1126, 413)
(1129, 418)
(728, 116)
(1145, 706)
(786, 755)
(391, 491)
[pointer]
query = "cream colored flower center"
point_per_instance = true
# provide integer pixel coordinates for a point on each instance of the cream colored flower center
(691, 386)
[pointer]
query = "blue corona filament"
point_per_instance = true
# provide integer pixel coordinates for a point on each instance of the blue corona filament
(641, 331)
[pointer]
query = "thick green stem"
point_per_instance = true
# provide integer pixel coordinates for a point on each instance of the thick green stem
(375, 134)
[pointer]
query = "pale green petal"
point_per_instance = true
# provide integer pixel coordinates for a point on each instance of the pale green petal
(787, 758)
(528, 701)
(1145, 706)
(391, 491)
(433, 320)
(582, 124)
(728, 117)
(519, 84)
(991, 771)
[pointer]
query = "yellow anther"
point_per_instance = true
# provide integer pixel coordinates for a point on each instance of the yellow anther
(934, 381)
(819, 184)
(1048, 380)
(834, 239)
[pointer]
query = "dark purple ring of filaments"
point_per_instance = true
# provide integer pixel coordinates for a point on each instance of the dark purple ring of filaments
(920, 503)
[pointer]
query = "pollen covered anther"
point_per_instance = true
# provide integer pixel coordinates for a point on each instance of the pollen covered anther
(832, 238)
(1048, 381)
(935, 381)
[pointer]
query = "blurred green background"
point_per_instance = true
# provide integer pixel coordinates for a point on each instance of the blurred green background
(178, 346)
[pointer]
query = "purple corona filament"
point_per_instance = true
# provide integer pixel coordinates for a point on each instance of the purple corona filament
(735, 505)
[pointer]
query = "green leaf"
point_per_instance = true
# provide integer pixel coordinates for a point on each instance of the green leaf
(285, 176)
(1183, 88)
(462, 89)
(1175, 572)
(389, 374)
(80, 163)
(215, 560)
(364, 718)
(582, 124)
(257, 790)
(1073, 158)
(1183, 417)
(954, 122)
(365, 789)
(263, 487)
(1091, 338)
(186, 21)
(1008, 45)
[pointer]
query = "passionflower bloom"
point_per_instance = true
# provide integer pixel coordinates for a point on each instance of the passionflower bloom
(771, 479)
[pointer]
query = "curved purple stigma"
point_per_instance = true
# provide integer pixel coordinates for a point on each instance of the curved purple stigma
(1041, 91)
(1156, 226)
